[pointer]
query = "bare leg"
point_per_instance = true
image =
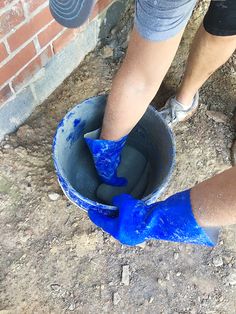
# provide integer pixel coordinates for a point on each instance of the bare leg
(214, 200)
(136, 83)
(207, 54)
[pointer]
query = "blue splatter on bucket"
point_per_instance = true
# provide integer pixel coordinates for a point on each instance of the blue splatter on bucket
(74, 165)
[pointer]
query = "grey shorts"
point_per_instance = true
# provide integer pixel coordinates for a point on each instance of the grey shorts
(159, 20)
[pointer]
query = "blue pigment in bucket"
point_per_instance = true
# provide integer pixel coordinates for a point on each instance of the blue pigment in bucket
(74, 165)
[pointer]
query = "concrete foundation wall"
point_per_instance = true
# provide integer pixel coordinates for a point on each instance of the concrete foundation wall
(58, 61)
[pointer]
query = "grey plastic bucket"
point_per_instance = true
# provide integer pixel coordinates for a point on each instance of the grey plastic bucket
(74, 165)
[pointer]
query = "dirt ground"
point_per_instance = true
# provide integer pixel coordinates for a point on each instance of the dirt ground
(53, 260)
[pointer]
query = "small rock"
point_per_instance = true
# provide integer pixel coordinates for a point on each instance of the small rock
(217, 261)
(161, 282)
(142, 245)
(72, 306)
(116, 298)
(53, 196)
(55, 287)
(176, 256)
(107, 52)
(234, 118)
(113, 31)
(231, 279)
(151, 300)
(217, 116)
(7, 146)
(178, 274)
(25, 131)
(233, 153)
(125, 275)
(168, 277)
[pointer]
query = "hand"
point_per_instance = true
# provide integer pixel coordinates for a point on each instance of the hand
(170, 220)
(106, 157)
(129, 227)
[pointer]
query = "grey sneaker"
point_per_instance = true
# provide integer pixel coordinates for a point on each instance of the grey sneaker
(174, 112)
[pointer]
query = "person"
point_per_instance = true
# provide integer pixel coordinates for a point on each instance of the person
(191, 216)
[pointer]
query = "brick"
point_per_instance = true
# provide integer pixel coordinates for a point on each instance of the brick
(5, 93)
(4, 3)
(3, 52)
(99, 7)
(49, 33)
(11, 18)
(63, 40)
(34, 4)
(26, 74)
(17, 62)
(28, 30)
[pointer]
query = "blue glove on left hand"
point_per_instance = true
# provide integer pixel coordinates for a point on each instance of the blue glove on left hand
(170, 220)
(106, 157)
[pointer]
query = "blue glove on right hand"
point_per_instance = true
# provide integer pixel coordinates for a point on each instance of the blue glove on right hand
(170, 220)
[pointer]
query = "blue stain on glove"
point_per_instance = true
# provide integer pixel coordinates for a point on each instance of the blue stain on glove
(106, 156)
(170, 220)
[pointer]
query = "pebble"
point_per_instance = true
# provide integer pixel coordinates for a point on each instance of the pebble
(72, 306)
(161, 282)
(142, 245)
(151, 300)
(217, 116)
(231, 279)
(217, 261)
(55, 287)
(53, 196)
(116, 298)
(125, 275)
(178, 274)
(176, 256)
(107, 52)
(234, 118)
(233, 153)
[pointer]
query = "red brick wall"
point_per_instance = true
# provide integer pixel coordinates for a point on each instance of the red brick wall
(29, 38)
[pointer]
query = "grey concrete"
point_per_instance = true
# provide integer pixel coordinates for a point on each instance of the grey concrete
(16, 111)
(65, 62)
(112, 16)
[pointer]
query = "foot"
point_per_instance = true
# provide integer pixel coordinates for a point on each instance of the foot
(174, 112)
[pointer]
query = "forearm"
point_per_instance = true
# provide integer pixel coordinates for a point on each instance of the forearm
(214, 200)
(136, 83)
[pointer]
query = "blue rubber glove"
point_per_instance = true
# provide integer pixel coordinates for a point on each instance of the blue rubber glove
(106, 157)
(170, 220)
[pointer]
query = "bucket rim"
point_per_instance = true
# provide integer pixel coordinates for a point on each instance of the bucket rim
(85, 203)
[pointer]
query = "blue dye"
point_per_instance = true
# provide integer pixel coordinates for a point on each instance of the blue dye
(61, 124)
(69, 115)
(76, 122)
(77, 131)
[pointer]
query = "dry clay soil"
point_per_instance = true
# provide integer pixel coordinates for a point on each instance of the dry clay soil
(54, 260)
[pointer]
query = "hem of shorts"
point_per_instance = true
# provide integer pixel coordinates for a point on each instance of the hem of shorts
(158, 36)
